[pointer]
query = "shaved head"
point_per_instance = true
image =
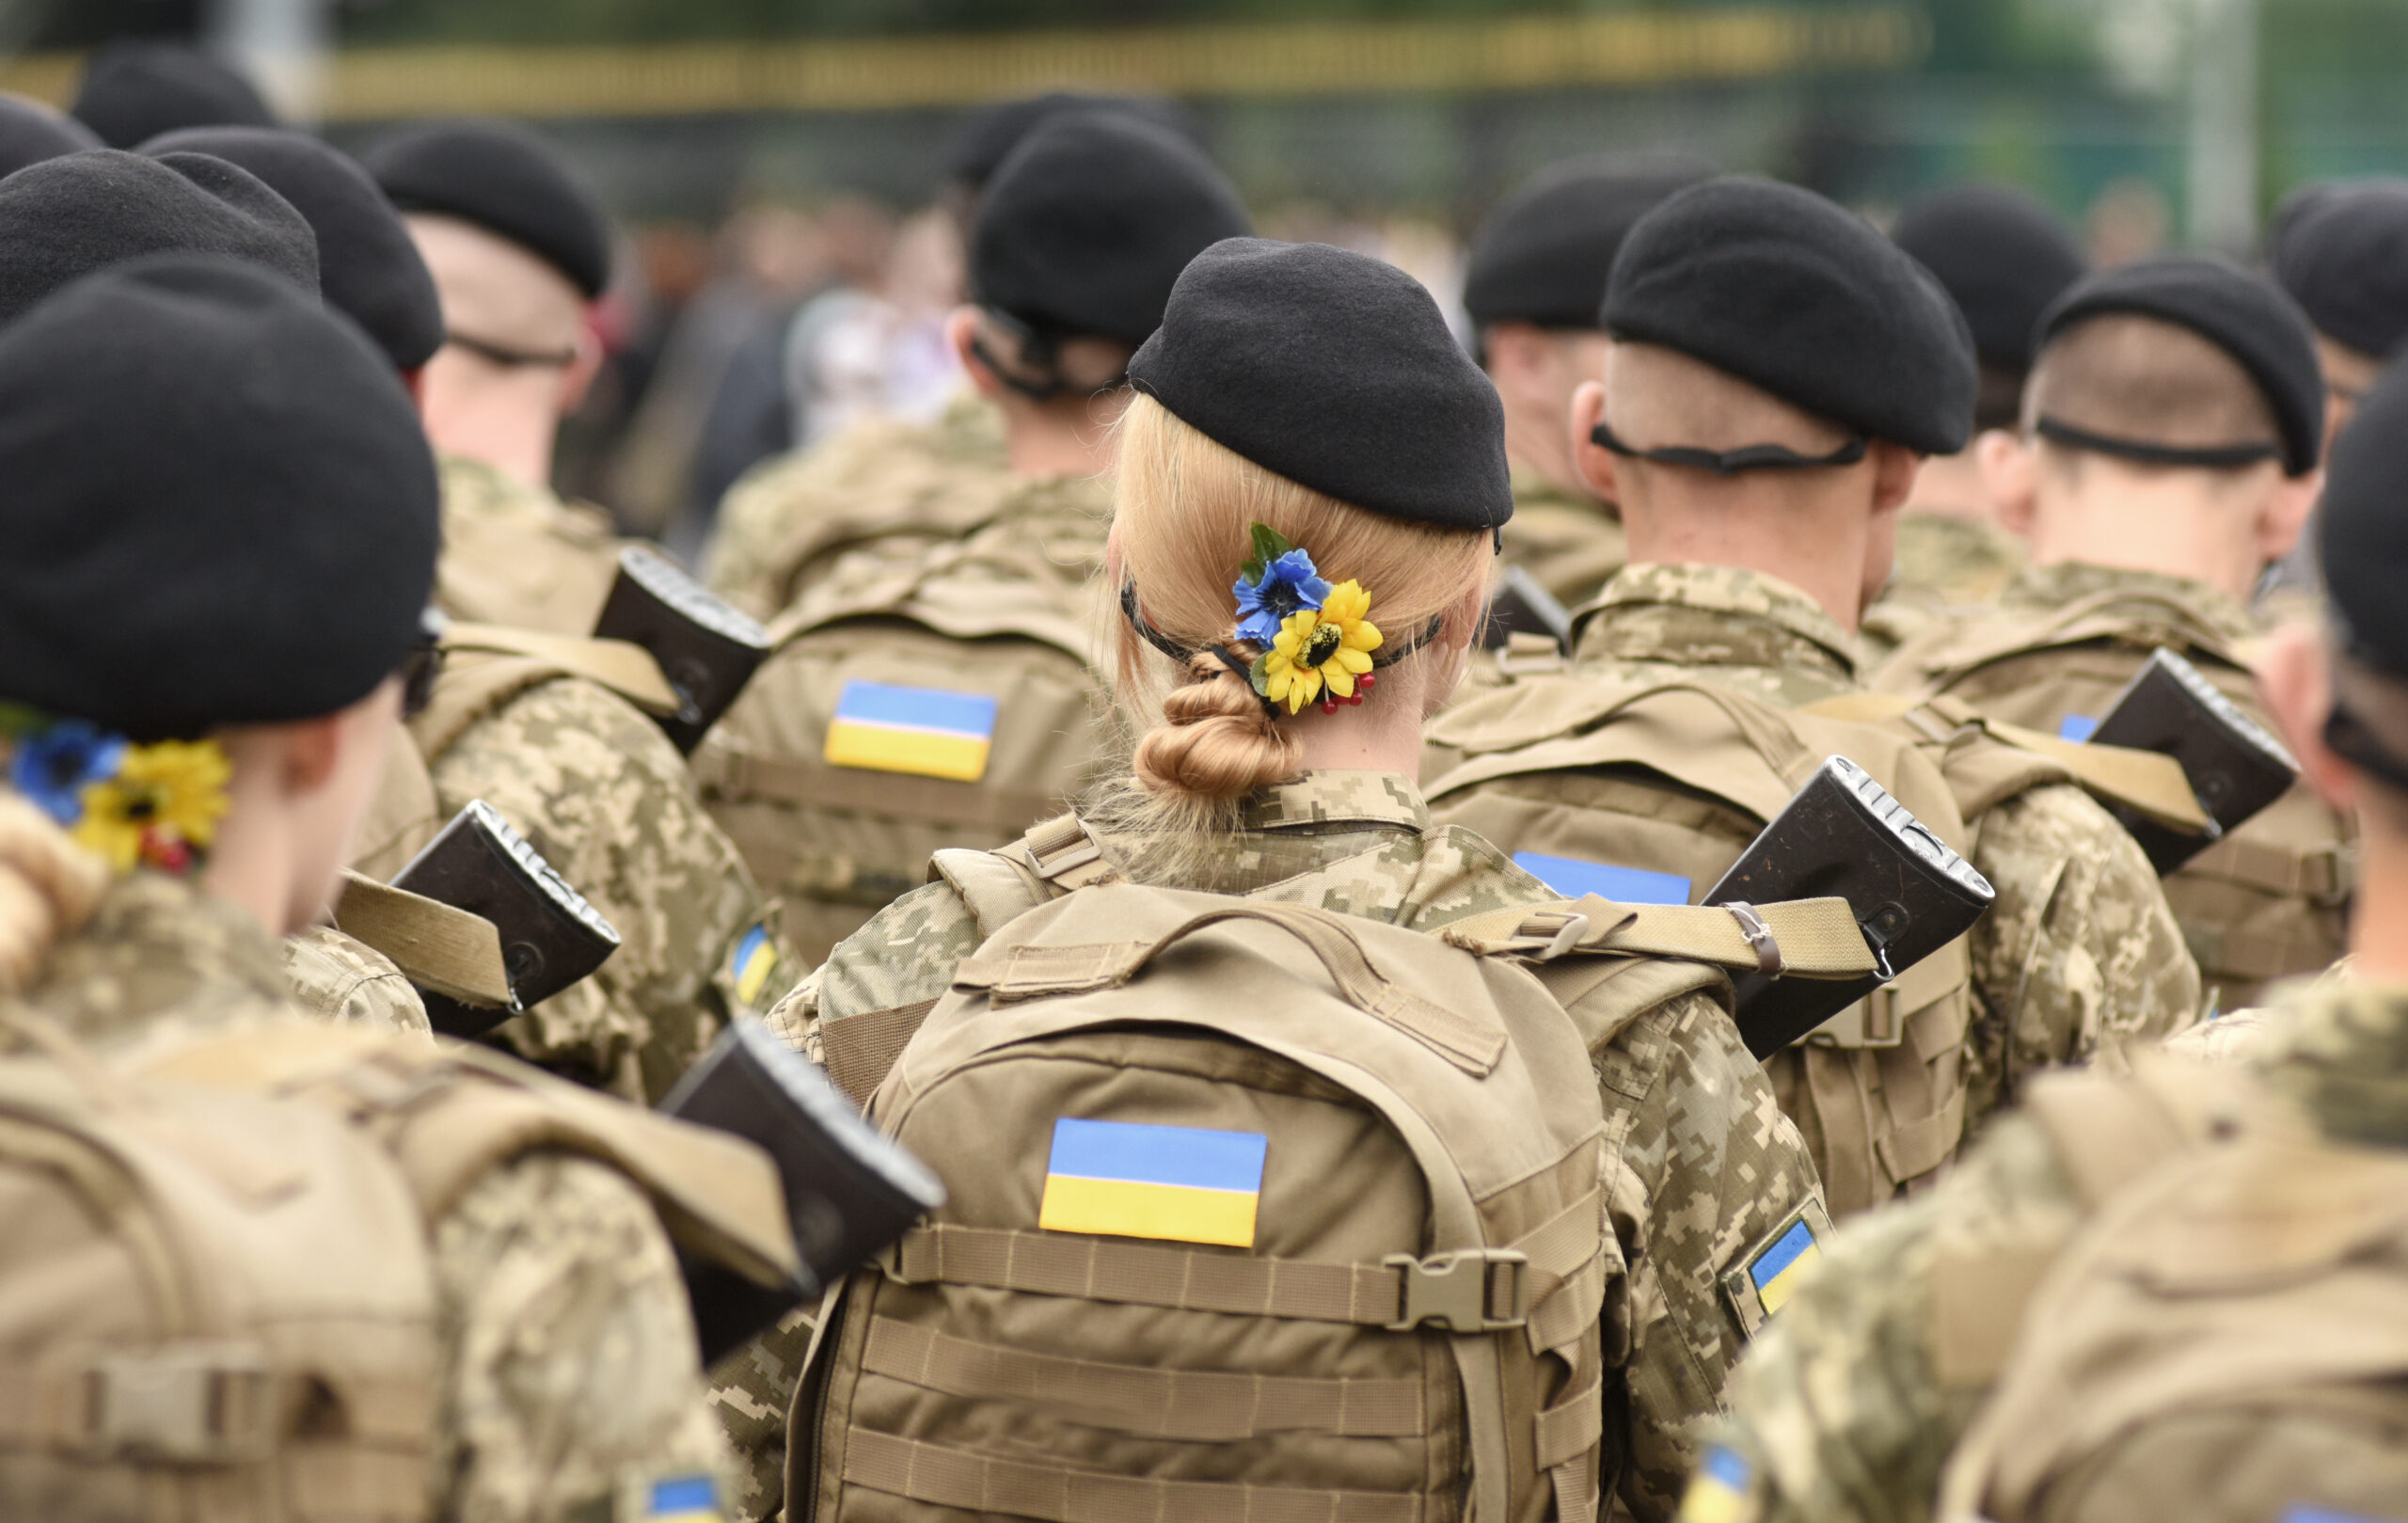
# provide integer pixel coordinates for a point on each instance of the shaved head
(495, 291)
(2135, 377)
(1657, 397)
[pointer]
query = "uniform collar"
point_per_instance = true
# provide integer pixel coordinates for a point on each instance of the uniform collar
(2052, 587)
(2340, 1049)
(1338, 798)
(1757, 620)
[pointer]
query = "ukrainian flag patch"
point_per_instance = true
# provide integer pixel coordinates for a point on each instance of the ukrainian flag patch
(1574, 876)
(1769, 1273)
(884, 727)
(1179, 1184)
(1720, 1491)
(682, 1498)
(752, 962)
(2077, 727)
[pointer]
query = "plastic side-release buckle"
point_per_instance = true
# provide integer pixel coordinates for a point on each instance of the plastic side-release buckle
(206, 1404)
(1463, 1291)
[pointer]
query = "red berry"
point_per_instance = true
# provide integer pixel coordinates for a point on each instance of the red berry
(1354, 699)
(1329, 706)
(1367, 681)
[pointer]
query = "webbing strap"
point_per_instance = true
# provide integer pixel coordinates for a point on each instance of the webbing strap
(1197, 1405)
(933, 800)
(1102, 1269)
(1056, 1494)
(1560, 1320)
(624, 667)
(859, 1050)
(1030, 972)
(1567, 1449)
(1063, 853)
(2325, 872)
(1815, 938)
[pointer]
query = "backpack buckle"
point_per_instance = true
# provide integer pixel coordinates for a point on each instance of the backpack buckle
(206, 1404)
(1470, 1291)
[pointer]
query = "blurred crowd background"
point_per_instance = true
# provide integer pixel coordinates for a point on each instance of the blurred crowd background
(779, 166)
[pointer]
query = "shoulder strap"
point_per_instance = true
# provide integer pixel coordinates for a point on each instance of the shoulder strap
(438, 947)
(624, 667)
(1800, 938)
(1054, 857)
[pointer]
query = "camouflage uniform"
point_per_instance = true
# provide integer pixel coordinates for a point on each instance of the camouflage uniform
(1943, 562)
(351, 983)
(2079, 949)
(2269, 902)
(1705, 1167)
(516, 554)
(782, 524)
(603, 796)
(1838, 1411)
(568, 1352)
(1572, 544)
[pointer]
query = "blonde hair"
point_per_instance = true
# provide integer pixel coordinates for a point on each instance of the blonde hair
(48, 887)
(1182, 522)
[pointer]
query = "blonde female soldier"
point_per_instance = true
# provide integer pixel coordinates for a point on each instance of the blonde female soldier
(1311, 482)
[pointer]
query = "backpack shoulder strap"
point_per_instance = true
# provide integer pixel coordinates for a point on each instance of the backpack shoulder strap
(1054, 857)
(489, 665)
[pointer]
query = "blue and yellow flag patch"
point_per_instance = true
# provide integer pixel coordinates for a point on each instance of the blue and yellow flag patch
(1722, 1491)
(682, 1498)
(752, 962)
(1779, 1269)
(1769, 1273)
(1179, 1184)
(884, 727)
(2077, 727)
(1574, 875)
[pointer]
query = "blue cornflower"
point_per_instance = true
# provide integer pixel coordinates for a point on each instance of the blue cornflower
(1289, 585)
(51, 766)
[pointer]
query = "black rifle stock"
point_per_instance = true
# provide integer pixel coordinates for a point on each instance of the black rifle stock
(707, 649)
(551, 937)
(1520, 606)
(849, 1192)
(1842, 835)
(2234, 766)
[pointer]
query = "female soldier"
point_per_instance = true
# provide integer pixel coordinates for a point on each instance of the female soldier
(1310, 484)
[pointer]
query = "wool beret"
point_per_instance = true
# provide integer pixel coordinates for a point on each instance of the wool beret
(2245, 315)
(64, 218)
(504, 180)
(1336, 371)
(31, 132)
(2363, 534)
(2344, 258)
(1795, 296)
(135, 91)
(2001, 255)
(367, 267)
(1543, 255)
(221, 507)
(1089, 221)
(987, 138)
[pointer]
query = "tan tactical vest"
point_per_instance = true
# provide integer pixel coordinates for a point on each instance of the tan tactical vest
(2227, 1336)
(2268, 901)
(215, 1289)
(950, 702)
(1676, 779)
(1256, 1211)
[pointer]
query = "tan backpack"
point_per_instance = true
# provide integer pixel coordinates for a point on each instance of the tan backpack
(947, 702)
(1256, 1211)
(2269, 900)
(2226, 1338)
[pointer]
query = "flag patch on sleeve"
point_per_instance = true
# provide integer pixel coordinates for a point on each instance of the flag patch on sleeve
(1719, 1492)
(1573, 877)
(682, 1498)
(885, 727)
(1769, 1273)
(754, 960)
(1179, 1184)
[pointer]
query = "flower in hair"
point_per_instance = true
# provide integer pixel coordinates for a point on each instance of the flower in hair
(155, 806)
(50, 766)
(1326, 649)
(1275, 583)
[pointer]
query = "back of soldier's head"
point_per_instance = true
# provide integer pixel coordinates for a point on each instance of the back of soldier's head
(2362, 535)
(1542, 257)
(991, 135)
(2143, 378)
(135, 91)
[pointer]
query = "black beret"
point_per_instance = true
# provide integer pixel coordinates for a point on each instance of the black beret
(1089, 221)
(1336, 371)
(2245, 315)
(367, 267)
(63, 218)
(504, 180)
(2363, 534)
(31, 132)
(1794, 294)
(2004, 257)
(979, 149)
(221, 507)
(135, 91)
(1544, 254)
(2344, 258)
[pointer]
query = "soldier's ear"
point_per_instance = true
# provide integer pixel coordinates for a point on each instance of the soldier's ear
(2285, 514)
(2010, 474)
(2295, 681)
(961, 337)
(1595, 463)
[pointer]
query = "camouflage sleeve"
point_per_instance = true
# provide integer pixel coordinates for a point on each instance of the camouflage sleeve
(603, 795)
(2080, 949)
(571, 1390)
(754, 520)
(350, 983)
(1702, 1166)
(1839, 1409)
(906, 954)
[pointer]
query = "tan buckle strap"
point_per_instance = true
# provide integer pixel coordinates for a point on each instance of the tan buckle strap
(192, 1403)
(969, 1482)
(1063, 853)
(1468, 1291)
(1812, 938)
(858, 1051)
(1190, 1405)
(1769, 958)
(624, 667)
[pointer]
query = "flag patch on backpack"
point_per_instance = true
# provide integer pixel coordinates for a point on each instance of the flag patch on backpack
(1180, 1184)
(682, 1498)
(885, 727)
(2077, 727)
(1574, 876)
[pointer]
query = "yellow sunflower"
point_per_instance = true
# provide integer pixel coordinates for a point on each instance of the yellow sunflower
(165, 800)
(1329, 647)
